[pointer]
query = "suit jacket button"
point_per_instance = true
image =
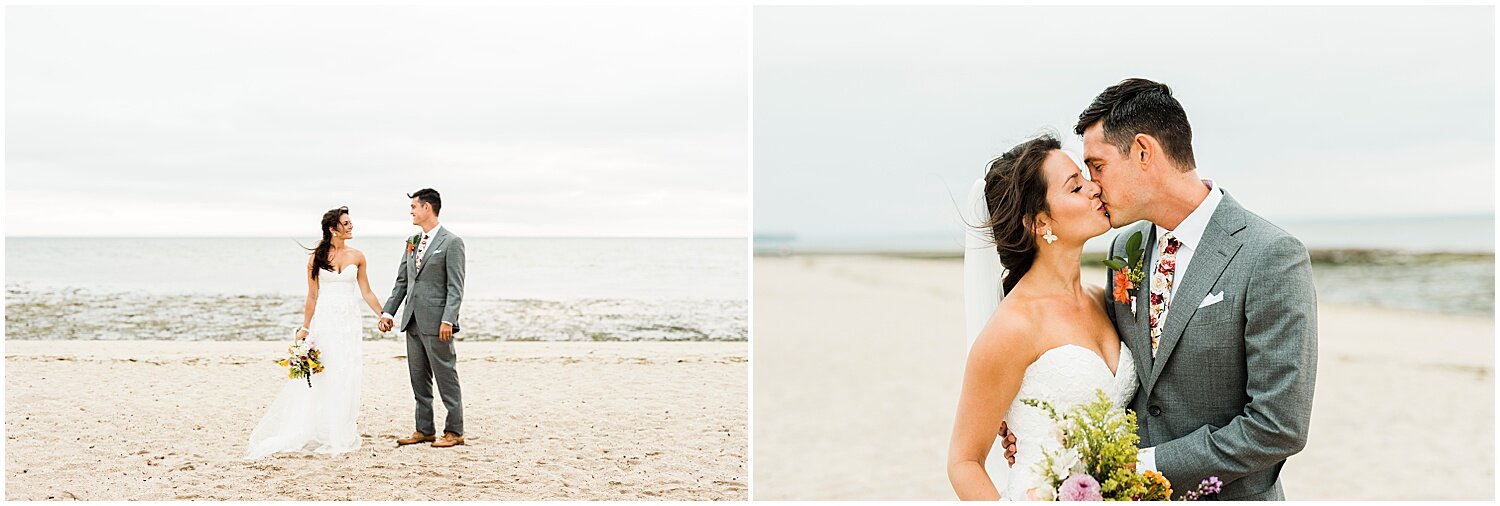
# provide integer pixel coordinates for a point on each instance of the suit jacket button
(1154, 410)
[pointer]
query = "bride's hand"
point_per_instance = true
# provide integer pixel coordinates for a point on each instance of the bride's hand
(301, 334)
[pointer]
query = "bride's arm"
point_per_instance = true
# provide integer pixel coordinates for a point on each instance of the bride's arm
(364, 287)
(312, 299)
(991, 380)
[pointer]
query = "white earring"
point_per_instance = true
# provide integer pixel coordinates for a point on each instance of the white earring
(1049, 237)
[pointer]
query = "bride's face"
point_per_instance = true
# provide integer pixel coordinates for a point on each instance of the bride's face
(345, 228)
(1075, 210)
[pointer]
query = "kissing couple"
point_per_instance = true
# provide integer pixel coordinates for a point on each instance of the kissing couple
(1211, 338)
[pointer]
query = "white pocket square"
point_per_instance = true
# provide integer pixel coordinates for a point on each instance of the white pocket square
(1212, 299)
(436, 252)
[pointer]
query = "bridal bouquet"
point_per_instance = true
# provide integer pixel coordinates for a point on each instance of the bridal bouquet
(1098, 458)
(302, 360)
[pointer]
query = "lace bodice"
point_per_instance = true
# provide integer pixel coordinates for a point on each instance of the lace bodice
(337, 289)
(348, 275)
(1064, 376)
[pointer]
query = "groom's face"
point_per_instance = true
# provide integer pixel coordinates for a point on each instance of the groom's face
(419, 211)
(1118, 179)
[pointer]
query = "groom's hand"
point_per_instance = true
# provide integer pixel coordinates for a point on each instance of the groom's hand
(385, 324)
(445, 332)
(1010, 443)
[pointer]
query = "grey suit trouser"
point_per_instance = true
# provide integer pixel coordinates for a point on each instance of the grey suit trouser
(428, 358)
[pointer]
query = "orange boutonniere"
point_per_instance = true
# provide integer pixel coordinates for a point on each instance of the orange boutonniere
(1129, 272)
(411, 243)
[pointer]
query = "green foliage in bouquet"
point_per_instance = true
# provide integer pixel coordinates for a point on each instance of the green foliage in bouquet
(1103, 438)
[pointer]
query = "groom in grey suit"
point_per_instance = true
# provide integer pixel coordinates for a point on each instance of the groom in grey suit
(1226, 318)
(430, 284)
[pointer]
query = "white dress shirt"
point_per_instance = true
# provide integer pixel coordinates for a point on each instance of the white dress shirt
(1190, 234)
(426, 238)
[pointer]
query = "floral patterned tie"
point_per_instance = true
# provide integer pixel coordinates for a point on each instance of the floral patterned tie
(1161, 288)
(420, 250)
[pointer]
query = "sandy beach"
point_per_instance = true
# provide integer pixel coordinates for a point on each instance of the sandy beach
(858, 363)
(158, 420)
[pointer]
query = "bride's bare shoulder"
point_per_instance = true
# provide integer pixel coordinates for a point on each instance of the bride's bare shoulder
(1010, 331)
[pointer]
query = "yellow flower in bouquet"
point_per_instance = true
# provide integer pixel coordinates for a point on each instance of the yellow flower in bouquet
(313, 362)
(302, 360)
(1098, 457)
(1157, 487)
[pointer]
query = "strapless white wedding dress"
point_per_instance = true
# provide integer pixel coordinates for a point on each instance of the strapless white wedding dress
(1065, 376)
(322, 417)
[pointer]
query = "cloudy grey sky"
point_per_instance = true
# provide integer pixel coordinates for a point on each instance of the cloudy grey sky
(867, 118)
(251, 121)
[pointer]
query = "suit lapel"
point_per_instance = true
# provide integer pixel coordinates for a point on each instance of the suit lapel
(1217, 248)
(1143, 294)
(411, 262)
(1134, 327)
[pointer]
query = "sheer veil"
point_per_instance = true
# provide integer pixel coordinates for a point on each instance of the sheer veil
(982, 268)
(982, 294)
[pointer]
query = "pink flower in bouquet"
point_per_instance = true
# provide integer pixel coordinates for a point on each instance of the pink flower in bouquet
(1210, 486)
(1080, 487)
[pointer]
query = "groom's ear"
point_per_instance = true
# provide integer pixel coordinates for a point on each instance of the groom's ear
(1144, 148)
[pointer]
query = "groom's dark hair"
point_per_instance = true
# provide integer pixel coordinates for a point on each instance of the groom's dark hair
(430, 197)
(1142, 106)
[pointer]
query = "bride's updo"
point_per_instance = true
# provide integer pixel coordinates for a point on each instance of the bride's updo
(1015, 193)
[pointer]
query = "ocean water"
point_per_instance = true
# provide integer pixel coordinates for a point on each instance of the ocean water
(1438, 264)
(550, 269)
(253, 288)
(1422, 234)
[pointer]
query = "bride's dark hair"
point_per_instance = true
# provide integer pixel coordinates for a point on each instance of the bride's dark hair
(1015, 193)
(330, 220)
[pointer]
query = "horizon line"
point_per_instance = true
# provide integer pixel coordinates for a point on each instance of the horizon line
(357, 238)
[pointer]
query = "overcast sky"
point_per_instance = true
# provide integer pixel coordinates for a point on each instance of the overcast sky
(873, 120)
(252, 121)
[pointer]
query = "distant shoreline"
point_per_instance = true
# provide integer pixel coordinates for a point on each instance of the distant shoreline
(294, 237)
(1335, 256)
(1343, 238)
(78, 313)
(1434, 283)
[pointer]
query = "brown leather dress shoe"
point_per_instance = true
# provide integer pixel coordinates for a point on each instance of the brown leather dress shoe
(448, 439)
(416, 437)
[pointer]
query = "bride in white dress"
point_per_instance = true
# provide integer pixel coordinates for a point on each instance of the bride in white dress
(1038, 333)
(324, 416)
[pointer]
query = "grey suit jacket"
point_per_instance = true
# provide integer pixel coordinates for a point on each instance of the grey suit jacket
(1230, 391)
(433, 294)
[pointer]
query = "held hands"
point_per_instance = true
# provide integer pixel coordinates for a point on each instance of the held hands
(444, 333)
(1010, 443)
